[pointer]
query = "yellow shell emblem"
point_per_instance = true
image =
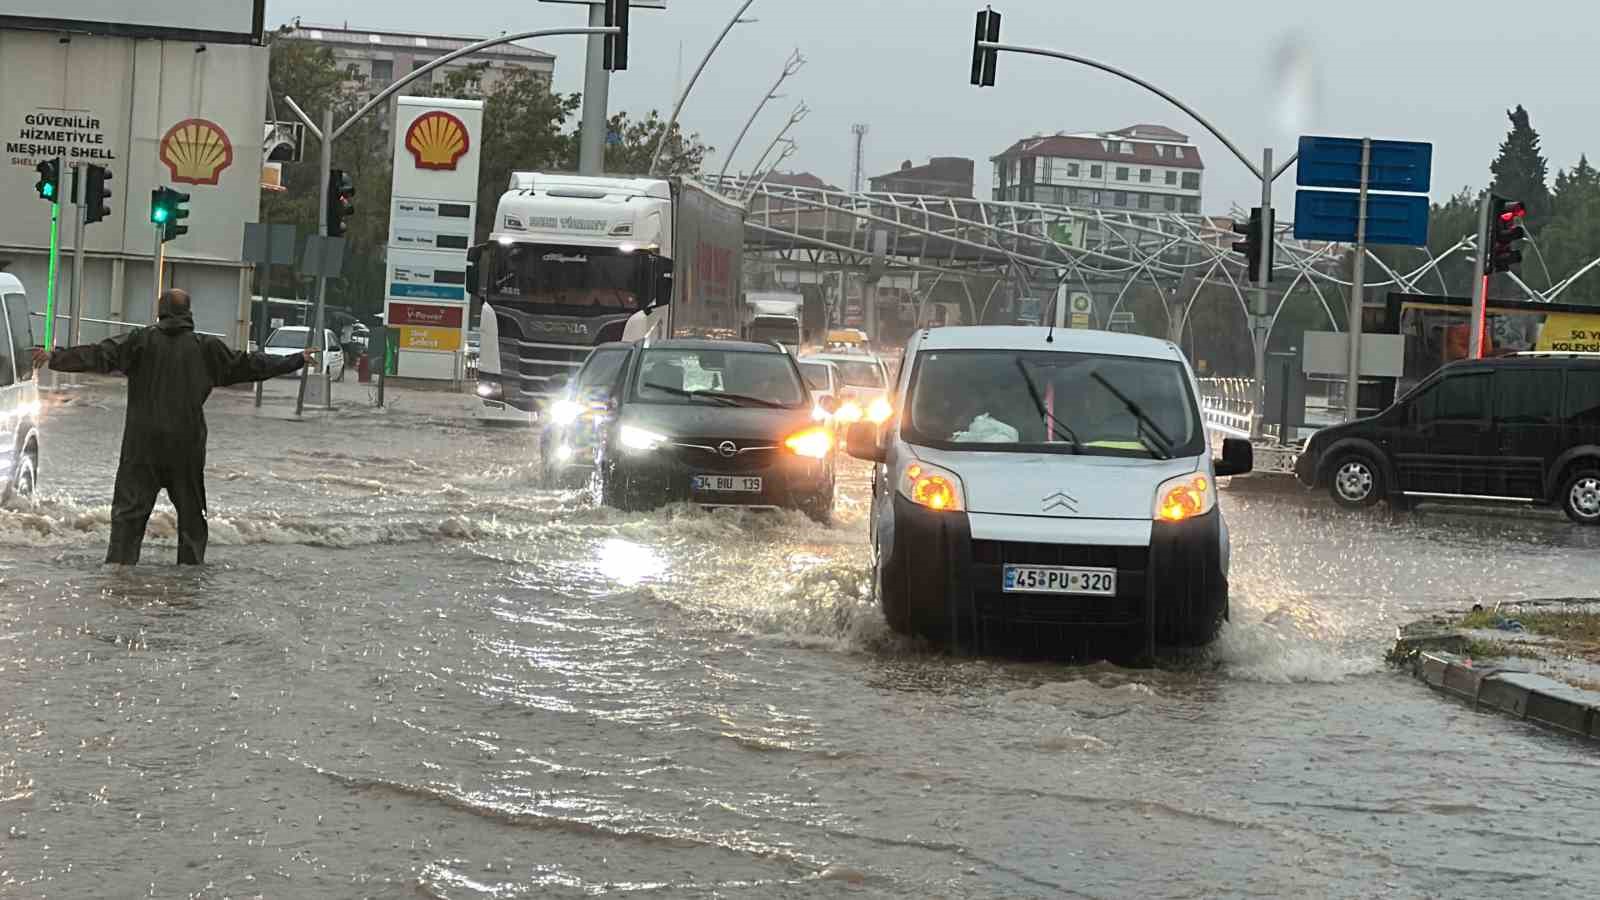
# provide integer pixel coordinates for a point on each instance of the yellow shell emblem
(196, 151)
(437, 140)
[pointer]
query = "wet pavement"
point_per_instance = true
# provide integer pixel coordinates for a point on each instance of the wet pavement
(407, 671)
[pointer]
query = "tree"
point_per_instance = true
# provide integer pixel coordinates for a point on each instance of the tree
(1521, 172)
(636, 144)
(1572, 239)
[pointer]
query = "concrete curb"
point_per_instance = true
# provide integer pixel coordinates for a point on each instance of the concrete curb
(1524, 695)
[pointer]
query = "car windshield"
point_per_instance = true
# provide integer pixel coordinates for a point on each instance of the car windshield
(288, 337)
(746, 378)
(860, 373)
(986, 399)
(816, 375)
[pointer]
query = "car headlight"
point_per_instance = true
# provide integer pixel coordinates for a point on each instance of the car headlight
(814, 443)
(639, 439)
(1182, 498)
(932, 487)
(565, 412)
(490, 390)
(879, 411)
(849, 413)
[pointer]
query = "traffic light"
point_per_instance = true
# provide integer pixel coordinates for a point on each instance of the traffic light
(1505, 230)
(1257, 240)
(49, 185)
(616, 58)
(341, 201)
(167, 210)
(97, 196)
(984, 59)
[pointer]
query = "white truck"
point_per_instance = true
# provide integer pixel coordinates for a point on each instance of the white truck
(775, 316)
(576, 261)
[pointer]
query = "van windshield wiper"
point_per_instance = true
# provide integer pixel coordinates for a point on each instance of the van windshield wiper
(1150, 434)
(1059, 427)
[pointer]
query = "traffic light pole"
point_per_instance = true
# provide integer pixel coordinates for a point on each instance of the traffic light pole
(1480, 284)
(314, 333)
(1358, 290)
(80, 205)
(158, 263)
(1261, 315)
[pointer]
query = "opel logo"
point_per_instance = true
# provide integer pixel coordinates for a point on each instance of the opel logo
(1059, 500)
(727, 449)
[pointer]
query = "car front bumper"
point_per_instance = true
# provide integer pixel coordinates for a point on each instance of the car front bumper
(1173, 585)
(665, 475)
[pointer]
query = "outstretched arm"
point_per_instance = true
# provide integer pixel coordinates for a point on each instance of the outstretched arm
(110, 356)
(229, 366)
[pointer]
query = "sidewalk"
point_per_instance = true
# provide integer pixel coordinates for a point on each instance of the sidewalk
(1536, 660)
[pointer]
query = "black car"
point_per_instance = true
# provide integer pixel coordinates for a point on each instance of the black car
(1519, 429)
(714, 423)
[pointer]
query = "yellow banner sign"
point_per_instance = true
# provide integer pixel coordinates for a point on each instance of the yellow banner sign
(1570, 333)
(417, 337)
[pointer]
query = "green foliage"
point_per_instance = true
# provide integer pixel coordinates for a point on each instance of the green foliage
(1521, 172)
(527, 127)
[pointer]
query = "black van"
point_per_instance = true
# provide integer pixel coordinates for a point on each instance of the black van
(1517, 429)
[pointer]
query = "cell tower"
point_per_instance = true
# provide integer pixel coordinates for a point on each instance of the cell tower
(860, 131)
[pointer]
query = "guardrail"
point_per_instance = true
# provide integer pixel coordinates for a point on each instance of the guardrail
(115, 323)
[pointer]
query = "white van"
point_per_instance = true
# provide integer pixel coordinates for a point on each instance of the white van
(1052, 477)
(19, 396)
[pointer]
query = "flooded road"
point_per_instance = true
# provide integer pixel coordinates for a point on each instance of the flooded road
(407, 671)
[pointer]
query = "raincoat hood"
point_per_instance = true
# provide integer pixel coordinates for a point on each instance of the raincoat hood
(174, 317)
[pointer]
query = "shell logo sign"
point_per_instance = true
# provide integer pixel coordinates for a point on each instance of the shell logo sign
(437, 140)
(196, 151)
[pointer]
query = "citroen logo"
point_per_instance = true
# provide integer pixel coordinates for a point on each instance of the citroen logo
(727, 449)
(1060, 500)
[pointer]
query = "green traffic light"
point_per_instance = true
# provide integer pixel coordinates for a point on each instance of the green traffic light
(158, 215)
(49, 190)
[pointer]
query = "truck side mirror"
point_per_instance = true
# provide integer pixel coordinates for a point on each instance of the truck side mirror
(662, 275)
(474, 254)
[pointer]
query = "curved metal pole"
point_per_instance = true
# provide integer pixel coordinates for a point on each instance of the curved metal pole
(790, 67)
(454, 55)
(789, 150)
(800, 112)
(677, 106)
(1128, 76)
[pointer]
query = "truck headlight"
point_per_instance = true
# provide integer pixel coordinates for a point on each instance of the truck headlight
(638, 439)
(490, 390)
(1182, 498)
(932, 487)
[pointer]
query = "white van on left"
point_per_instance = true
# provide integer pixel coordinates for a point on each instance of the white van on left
(19, 394)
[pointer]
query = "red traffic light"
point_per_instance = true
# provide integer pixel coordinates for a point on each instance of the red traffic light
(1514, 210)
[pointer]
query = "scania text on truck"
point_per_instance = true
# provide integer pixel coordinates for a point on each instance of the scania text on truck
(571, 259)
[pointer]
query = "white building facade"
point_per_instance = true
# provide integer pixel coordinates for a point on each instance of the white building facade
(1140, 169)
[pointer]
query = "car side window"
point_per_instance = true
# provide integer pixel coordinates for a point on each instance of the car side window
(1526, 396)
(1582, 407)
(603, 369)
(1462, 398)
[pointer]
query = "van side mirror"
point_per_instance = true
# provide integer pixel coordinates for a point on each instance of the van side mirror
(861, 441)
(1238, 458)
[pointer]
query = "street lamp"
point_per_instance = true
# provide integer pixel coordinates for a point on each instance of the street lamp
(790, 66)
(1266, 174)
(677, 106)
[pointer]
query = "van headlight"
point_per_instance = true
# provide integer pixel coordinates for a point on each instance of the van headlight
(565, 412)
(932, 487)
(1185, 497)
(638, 439)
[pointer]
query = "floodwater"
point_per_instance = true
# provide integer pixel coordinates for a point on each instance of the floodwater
(407, 671)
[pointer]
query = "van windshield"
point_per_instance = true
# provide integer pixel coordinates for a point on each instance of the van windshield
(981, 400)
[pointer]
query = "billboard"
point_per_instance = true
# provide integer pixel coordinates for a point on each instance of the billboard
(432, 216)
(220, 21)
(1438, 330)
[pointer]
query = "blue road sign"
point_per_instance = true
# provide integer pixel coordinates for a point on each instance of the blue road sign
(1331, 216)
(1332, 162)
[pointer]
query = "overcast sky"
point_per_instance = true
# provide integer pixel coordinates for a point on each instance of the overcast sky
(1400, 69)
